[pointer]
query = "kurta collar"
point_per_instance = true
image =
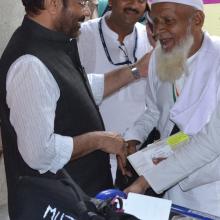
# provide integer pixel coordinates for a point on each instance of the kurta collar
(42, 32)
(113, 35)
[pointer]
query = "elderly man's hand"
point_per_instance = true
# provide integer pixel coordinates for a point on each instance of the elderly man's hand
(138, 186)
(131, 146)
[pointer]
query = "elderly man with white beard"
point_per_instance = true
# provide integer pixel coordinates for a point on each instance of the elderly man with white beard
(183, 90)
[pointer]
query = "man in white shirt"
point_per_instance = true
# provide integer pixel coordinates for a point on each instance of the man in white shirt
(114, 40)
(183, 89)
(49, 115)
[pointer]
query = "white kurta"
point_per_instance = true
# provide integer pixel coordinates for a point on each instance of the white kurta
(192, 175)
(121, 109)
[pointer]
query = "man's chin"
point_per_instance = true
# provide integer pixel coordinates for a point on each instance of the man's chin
(76, 34)
(167, 50)
(76, 31)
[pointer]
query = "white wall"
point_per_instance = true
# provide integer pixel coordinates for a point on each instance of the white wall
(11, 14)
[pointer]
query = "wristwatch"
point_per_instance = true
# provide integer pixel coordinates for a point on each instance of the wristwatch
(135, 72)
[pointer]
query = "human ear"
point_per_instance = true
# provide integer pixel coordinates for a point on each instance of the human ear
(52, 6)
(198, 19)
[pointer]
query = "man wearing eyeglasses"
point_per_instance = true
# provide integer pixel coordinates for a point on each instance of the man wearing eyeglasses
(112, 41)
(49, 114)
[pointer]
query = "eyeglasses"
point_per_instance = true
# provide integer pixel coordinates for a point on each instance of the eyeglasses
(83, 3)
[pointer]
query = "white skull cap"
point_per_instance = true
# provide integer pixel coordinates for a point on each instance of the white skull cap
(198, 4)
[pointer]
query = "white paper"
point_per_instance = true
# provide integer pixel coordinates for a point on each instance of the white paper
(142, 160)
(146, 207)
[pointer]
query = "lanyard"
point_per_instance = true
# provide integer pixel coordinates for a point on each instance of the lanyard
(106, 49)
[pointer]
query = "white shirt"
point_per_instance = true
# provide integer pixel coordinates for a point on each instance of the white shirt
(192, 173)
(120, 110)
(32, 95)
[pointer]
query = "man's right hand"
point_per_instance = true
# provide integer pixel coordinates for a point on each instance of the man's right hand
(113, 143)
(109, 142)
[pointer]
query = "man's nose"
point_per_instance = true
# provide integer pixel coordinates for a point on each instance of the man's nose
(86, 10)
(158, 29)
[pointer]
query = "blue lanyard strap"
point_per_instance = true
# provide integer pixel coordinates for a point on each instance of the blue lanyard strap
(128, 62)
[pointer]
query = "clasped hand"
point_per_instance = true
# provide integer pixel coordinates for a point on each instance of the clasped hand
(114, 143)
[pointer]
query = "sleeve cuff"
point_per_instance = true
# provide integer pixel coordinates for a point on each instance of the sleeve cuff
(97, 85)
(64, 148)
(131, 134)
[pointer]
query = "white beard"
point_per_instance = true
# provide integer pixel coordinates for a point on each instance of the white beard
(171, 65)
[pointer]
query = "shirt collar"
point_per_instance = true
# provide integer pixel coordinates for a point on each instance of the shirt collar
(113, 35)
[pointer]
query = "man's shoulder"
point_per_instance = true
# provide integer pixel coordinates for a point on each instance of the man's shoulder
(90, 24)
(211, 46)
(140, 26)
(216, 40)
(141, 29)
(142, 36)
(88, 30)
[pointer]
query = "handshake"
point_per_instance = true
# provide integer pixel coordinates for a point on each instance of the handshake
(145, 159)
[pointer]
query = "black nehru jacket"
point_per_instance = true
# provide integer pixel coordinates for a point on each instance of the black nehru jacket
(76, 111)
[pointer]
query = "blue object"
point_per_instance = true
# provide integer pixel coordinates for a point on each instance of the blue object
(192, 213)
(110, 194)
(175, 209)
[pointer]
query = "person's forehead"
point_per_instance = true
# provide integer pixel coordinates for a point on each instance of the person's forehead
(166, 8)
(126, 1)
